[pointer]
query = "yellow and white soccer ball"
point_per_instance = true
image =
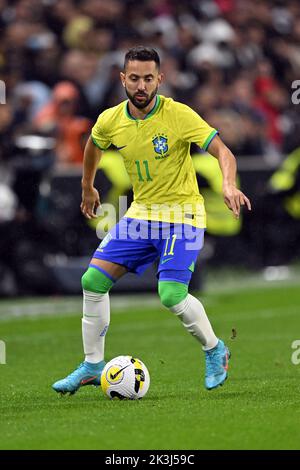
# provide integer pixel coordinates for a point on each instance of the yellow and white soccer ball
(125, 377)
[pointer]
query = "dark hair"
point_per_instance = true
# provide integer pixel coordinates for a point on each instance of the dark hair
(143, 54)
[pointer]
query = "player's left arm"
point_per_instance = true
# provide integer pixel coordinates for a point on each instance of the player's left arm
(233, 197)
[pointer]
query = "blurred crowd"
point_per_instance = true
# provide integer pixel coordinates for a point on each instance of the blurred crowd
(233, 61)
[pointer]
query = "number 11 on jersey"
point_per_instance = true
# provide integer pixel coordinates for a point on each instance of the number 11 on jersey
(138, 166)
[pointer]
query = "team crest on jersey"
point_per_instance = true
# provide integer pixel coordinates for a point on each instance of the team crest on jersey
(160, 144)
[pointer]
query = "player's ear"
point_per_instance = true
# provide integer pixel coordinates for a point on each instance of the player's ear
(161, 78)
(122, 77)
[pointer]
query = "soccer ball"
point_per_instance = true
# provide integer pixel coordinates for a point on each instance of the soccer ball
(125, 377)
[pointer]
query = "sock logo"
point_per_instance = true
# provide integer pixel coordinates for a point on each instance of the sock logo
(103, 332)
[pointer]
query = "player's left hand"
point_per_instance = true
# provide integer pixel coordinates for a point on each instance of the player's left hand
(234, 199)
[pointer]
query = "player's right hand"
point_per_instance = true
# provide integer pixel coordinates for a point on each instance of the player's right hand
(90, 202)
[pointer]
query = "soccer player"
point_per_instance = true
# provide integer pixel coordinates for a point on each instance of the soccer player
(153, 134)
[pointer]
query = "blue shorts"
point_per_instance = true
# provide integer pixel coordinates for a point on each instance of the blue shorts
(136, 244)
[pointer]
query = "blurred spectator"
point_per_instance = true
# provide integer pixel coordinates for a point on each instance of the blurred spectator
(245, 53)
(59, 118)
(271, 99)
(279, 213)
(6, 132)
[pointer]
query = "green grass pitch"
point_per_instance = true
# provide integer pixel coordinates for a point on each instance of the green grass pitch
(257, 408)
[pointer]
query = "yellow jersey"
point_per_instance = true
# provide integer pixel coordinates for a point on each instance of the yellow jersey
(156, 153)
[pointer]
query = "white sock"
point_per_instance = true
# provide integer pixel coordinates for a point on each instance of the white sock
(192, 314)
(95, 322)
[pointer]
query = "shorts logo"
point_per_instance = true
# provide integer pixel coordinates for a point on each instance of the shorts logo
(160, 144)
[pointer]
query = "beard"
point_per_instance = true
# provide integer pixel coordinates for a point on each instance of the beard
(141, 104)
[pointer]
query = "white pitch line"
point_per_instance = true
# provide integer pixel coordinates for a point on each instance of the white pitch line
(73, 305)
(52, 307)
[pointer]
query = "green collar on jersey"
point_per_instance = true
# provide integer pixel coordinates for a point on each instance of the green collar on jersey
(150, 114)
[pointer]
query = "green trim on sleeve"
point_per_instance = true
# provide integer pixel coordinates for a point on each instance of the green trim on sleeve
(97, 145)
(209, 139)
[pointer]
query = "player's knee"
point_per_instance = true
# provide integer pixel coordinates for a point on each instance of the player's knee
(172, 293)
(94, 280)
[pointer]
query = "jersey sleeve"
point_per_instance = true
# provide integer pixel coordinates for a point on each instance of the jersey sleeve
(99, 134)
(192, 128)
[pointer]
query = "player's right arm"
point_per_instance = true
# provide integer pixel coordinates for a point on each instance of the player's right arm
(90, 196)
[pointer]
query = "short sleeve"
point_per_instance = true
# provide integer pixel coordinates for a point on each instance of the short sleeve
(99, 136)
(192, 128)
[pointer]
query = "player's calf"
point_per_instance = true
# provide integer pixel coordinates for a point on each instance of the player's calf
(95, 322)
(190, 310)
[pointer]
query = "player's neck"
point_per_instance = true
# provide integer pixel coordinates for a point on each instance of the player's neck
(137, 113)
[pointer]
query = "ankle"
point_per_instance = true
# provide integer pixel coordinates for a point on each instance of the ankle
(93, 365)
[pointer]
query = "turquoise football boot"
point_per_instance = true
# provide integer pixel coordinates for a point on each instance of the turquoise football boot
(85, 374)
(216, 365)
